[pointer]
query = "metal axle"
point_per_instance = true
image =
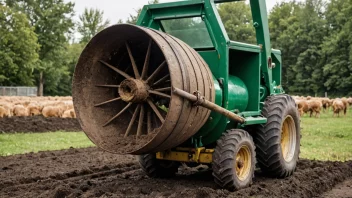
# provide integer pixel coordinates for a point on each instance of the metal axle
(199, 100)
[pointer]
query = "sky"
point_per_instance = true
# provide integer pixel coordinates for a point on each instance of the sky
(120, 9)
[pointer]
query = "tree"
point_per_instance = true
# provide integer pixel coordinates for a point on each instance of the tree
(283, 20)
(91, 22)
(309, 35)
(59, 79)
(337, 48)
(298, 30)
(52, 22)
(237, 19)
(18, 49)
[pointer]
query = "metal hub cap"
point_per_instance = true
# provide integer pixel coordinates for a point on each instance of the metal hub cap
(288, 138)
(132, 90)
(243, 163)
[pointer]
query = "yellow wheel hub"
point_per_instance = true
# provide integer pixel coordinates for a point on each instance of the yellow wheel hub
(288, 138)
(243, 163)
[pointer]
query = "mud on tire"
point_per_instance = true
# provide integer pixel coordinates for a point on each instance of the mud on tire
(226, 171)
(157, 168)
(277, 142)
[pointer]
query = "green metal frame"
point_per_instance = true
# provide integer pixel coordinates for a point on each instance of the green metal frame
(235, 65)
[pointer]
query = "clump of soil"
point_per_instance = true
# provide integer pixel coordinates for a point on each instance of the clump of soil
(95, 173)
(38, 124)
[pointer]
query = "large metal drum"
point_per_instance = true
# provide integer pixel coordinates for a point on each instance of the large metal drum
(122, 90)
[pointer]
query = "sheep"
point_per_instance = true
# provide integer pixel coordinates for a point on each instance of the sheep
(345, 103)
(302, 106)
(326, 103)
(20, 110)
(52, 111)
(3, 112)
(69, 114)
(338, 106)
(8, 108)
(34, 109)
(314, 105)
(349, 100)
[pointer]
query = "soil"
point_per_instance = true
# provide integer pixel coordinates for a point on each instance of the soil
(343, 190)
(38, 124)
(94, 173)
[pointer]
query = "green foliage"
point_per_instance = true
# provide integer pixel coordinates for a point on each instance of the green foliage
(315, 46)
(52, 23)
(237, 19)
(59, 76)
(91, 22)
(18, 48)
(337, 48)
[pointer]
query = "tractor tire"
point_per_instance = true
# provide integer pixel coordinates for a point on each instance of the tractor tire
(156, 168)
(234, 160)
(278, 141)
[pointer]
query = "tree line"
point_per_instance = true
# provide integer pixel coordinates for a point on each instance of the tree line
(39, 46)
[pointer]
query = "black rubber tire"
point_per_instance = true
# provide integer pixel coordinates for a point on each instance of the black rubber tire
(267, 137)
(224, 157)
(156, 168)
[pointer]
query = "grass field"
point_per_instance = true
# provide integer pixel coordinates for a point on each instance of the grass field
(327, 137)
(33, 142)
(324, 138)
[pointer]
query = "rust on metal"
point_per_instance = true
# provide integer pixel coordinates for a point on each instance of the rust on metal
(117, 115)
(159, 93)
(132, 121)
(148, 64)
(133, 62)
(106, 102)
(108, 86)
(199, 100)
(161, 80)
(115, 69)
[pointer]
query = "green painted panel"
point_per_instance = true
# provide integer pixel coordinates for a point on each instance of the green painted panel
(238, 94)
(278, 67)
(246, 66)
(211, 57)
(255, 120)
(242, 78)
(244, 47)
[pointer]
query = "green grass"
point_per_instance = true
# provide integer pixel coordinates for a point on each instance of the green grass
(324, 138)
(327, 138)
(19, 143)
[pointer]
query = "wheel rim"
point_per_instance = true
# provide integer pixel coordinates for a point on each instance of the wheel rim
(288, 138)
(243, 163)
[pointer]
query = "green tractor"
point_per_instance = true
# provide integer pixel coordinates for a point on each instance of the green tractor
(175, 89)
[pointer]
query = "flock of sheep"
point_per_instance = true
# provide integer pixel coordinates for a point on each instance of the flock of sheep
(61, 107)
(314, 105)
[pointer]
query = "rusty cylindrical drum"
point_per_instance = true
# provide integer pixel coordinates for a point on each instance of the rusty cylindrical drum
(122, 90)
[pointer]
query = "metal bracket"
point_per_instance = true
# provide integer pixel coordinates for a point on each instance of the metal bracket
(197, 155)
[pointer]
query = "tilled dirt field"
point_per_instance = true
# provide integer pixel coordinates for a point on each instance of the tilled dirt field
(38, 124)
(95, 173)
